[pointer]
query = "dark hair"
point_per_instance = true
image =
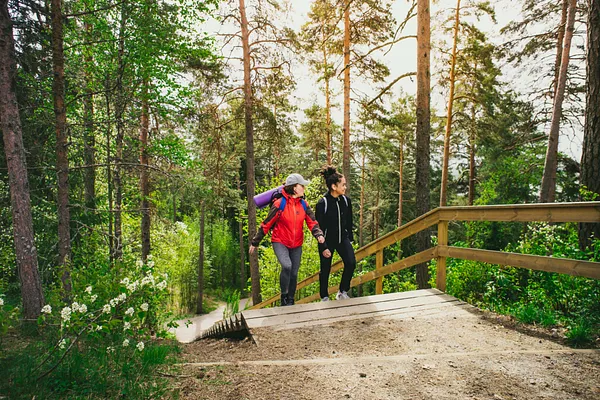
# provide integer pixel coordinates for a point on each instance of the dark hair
(289, 189)
(331, 176)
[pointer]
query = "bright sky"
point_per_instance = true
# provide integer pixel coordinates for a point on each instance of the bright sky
(402, 59)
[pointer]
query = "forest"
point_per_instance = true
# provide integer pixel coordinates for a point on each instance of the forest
(137, 133)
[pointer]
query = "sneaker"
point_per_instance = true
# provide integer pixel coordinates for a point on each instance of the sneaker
(342, 296)
(325, 298)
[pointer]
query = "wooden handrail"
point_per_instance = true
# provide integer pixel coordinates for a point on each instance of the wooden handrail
(407, 262)
(544, 212)
(567, 266)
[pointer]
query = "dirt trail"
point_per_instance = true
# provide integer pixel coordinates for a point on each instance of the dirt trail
(462, 354)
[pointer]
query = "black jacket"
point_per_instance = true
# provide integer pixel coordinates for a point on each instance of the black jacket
(336, 224)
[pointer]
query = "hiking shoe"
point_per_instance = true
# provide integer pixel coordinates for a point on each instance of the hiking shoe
(341, 296)
(284, 300)
(325, 298)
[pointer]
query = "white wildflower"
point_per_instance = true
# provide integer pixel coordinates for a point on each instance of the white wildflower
(125, 281)
(126, 326)
(62, 344)
(132, 287)
(66, 314)
(98, 328)
(47, 309)
(1, 301)
(93, 298)
(129, 311)
(82, 308)
(139, 263)
(150, 264)
(110, 349)
(144, 307)
(88, 290)
(148, 280)
(125, 342)
(149, 257)
(106, 309)
(162, 285)
(140, 346)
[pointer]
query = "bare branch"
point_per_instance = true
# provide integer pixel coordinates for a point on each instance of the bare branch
(388, 87)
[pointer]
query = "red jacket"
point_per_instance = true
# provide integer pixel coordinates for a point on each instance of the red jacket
(288, 225)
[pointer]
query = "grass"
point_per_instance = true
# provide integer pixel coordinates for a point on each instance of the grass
(86, 372)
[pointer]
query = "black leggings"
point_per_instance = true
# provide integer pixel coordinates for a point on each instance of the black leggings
(345, 251)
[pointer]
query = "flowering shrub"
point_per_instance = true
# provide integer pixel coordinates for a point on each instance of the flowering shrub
(121, 321)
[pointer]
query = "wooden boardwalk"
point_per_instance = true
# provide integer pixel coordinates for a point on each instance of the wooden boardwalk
(404, 304)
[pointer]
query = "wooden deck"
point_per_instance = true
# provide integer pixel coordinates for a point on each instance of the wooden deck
(404, 304)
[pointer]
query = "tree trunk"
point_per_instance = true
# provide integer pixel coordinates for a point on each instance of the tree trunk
(326, 77)
(119, 115)
(346, 146)
(400, 178)
(559, 44)
(20, 202)
(423, 132)
(144, 185)
(89, 139)
(199, 309)
(361, 219)
(590, 158)
(444, 183)
(548, 189)
(62, 161)
(243, 277)
(400, 185)
(250, 182)
(109, 184)
(471, 198)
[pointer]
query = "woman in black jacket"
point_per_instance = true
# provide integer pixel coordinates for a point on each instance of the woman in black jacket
(334, 215)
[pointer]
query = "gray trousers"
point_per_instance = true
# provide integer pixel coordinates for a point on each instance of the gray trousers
(290, 264)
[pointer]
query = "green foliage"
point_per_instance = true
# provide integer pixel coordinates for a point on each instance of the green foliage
(176, 253)
(549, 299)
(102, 342)
(9, 316)
(233, 304)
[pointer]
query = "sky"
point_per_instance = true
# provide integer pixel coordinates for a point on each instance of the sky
(402, 59)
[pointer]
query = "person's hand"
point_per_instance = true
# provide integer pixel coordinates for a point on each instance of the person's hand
(252, 249)
(326, 253)
(321, 239)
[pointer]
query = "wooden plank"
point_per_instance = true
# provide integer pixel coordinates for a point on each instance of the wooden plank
(446, 308)
(349, 310)
(300, 308)
(441, 260)
(379, 265)
(550, 264)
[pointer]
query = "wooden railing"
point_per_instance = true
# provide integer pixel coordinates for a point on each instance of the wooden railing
(551, 212)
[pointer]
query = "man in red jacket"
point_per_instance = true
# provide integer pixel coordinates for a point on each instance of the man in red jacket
(286, 217)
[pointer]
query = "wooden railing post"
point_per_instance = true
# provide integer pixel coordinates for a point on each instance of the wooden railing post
(441, 261)
(379, 265)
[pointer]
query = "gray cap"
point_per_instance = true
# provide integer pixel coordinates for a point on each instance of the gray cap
(295, 179)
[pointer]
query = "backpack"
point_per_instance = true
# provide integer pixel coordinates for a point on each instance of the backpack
(325, 200)
(283, 203)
